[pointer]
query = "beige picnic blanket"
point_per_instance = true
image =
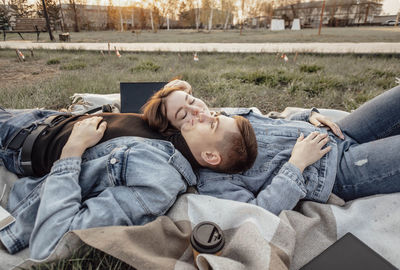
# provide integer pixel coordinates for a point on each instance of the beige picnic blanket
(255, 238)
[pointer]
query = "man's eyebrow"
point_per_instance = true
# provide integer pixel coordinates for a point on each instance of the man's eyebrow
(176, 114)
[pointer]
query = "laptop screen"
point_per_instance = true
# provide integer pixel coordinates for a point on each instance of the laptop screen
(135, 94)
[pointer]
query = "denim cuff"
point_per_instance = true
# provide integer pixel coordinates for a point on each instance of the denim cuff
(10, 241)
(69, 164)
(304, 115)
(294, 174)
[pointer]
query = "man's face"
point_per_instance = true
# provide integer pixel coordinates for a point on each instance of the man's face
(203, 133)
(182, 108)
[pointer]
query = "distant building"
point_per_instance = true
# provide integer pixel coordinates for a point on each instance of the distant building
(336, 13)
(381, 19)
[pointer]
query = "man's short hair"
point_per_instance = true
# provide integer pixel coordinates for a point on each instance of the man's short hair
(238, 151)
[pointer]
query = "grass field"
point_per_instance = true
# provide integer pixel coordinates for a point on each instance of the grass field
(49, 78)
(328, 34)
(263, 80)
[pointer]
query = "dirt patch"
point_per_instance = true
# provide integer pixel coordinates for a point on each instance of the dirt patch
(15, 73)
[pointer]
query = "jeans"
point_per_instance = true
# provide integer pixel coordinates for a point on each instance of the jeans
(11, 122)
(369, 157)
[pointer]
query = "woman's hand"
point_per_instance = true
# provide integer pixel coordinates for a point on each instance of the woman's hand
(85, 134)
(309, 150)
(319, 120)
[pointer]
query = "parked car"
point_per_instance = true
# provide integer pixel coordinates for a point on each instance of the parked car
(390, 23)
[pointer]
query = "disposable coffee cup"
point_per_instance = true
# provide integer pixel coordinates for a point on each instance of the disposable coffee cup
(207, 237)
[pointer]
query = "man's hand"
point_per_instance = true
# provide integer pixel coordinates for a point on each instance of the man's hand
(85, 134)
(319, 120)
(309, 150)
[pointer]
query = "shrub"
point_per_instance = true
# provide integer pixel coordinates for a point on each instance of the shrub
(146, 66)
(256, 78)
(310, 68)
(53, 61)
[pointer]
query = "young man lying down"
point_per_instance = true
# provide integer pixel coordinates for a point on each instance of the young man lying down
(87, 171)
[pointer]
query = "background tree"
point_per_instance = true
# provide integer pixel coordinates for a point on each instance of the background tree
(166, 10)
(142, 16)
(5, 15)
(184, 14)
(75, 14)
(294, 9)
(98, 14)
(22, 8)
(208, 7)
(241, 15)
(112, 16)
(53, 10)
(227, 8)
(132, 8)
(154, 15)
(197, 14)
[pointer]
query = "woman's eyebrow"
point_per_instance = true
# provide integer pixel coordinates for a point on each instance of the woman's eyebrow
(180, 108)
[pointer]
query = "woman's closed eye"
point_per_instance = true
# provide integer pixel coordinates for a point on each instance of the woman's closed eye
(192, 102)
(184, 116)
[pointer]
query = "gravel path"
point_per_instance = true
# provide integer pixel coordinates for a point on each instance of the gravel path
(376, 47)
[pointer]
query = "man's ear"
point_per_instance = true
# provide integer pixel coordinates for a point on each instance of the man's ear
(211, 157)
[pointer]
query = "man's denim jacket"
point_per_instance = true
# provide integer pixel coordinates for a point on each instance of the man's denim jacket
(272, 182)
(123, 181)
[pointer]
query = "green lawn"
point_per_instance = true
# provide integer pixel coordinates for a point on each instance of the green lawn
(263, 80)
(328, 34)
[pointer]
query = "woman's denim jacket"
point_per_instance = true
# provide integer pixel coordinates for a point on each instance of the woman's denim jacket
(124, 181)
(272, 182)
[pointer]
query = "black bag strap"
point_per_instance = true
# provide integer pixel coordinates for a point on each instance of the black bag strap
(103, 108)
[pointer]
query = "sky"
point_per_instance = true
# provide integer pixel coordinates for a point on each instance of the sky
(391, 6)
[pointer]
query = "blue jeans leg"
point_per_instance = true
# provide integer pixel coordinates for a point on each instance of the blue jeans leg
(369, 168)
(376, 119)
(11, 121)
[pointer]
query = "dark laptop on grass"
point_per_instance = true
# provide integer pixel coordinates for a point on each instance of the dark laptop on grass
(349, 253)
(135, 94)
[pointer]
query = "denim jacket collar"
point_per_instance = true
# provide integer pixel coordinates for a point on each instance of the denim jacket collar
(183, 167)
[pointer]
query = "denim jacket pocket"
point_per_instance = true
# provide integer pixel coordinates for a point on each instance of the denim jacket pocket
(153, 181)
(116, 166)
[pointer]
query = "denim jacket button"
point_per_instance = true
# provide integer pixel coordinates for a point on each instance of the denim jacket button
(113, 161)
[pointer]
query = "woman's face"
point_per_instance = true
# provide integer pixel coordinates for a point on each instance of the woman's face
(182, 107)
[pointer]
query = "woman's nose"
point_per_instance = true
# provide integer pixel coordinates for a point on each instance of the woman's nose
(194, 110)
(203, 117)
